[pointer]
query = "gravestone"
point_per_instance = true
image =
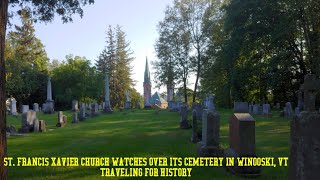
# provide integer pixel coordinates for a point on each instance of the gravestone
(25, 108)
(107, 106)
(304, 160)
(36, 107)
(94, 109)
(62, 120)
(36, 125)
(242, 143)
(256, 109)
(194, 137)
(75, 106)
(82, 115)
(251, 109)
(266, 109)
(75, 117)
(209, 145)
(42, 126)
(288, 112)
(240, 107)
(49, 107)
(184, 123)
(28, 119)
(13, 107)
(211, 102)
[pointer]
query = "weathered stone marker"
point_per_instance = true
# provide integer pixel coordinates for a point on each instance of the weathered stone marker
(13, 107)
(242, 143)
(288, 111)
(304, 160)
(194, 137)
(240, 107)
(266, 110)
(42, 126)
(209, 145)
(28, 119)
(184, 123)
(62, 119)
(75, 106)
(75, 117)
(36, 107)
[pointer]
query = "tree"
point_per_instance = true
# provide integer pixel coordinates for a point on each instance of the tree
(173, 44)
(43, 11)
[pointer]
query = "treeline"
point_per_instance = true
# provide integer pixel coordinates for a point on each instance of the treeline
(255, 51)
(73, 78)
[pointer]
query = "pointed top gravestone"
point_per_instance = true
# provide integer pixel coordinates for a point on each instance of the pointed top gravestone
(49, 106)
(107, 106)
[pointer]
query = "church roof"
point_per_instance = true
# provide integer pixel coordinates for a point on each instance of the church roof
(156, 98)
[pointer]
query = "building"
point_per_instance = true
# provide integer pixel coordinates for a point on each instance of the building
(147, 86)
(157, 100)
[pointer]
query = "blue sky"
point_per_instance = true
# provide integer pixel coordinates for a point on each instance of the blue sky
(86, 36)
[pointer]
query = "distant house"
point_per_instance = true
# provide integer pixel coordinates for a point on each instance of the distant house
(157, 100)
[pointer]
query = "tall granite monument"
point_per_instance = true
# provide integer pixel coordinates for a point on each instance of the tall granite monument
(49, 105)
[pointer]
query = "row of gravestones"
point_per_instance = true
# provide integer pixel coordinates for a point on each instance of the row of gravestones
(24, 108)
(304, 160)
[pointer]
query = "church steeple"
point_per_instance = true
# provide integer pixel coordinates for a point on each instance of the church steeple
(147, 73)
(147, 86)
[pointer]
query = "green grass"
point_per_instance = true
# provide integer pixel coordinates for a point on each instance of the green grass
(142, 133)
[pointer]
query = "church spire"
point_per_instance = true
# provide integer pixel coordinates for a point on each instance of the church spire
(147, 72)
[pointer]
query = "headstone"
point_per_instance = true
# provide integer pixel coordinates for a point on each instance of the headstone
(36, 107)
(107, 106)
(75, 117)
(82, 115)
(251, 109)
(194, 137)
(209, 145)
(288, 111)
(49, 107)
(240, 107)
(36, 125)
(94, 109)
(242, 143)
(211, 103)
(304, 160)
(184, 123)
(62, 119)
(75, 106)
(25, 108)
(256, 109)
(266, 109)
(42, 126)
(13, 107)
(28, 119)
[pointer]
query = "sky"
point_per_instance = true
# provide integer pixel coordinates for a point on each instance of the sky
(86, 36)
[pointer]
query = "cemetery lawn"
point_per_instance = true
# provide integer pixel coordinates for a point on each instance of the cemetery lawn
(142, 133)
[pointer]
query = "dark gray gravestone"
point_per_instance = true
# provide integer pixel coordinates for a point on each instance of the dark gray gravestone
(266, 109)
(240, 107)
(242, 143)
(184, 123)
(194, 137)
(288, 111)
(75, 117)
(304, 160)
(209, 145)
(256, 109)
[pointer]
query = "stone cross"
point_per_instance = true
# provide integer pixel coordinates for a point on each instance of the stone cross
(310, 89)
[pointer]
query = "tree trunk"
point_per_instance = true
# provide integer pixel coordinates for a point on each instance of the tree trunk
(198, 74)
(3, 138)
(185, 90)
